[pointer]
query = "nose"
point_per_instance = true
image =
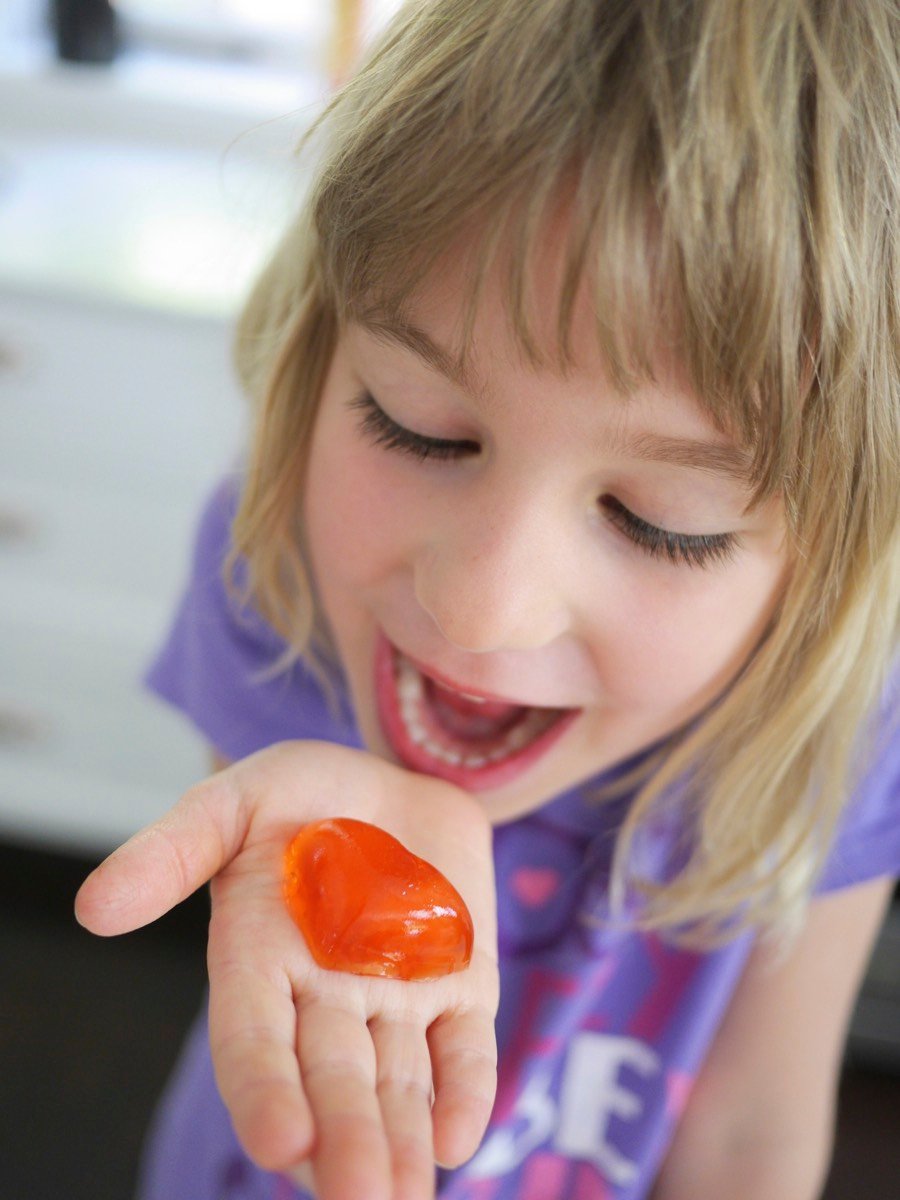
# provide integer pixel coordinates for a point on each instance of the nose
(491, 577)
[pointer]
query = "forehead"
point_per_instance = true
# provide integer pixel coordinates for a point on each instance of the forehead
(561, 296)
(659, 419)
(538, 295)
(481, 310)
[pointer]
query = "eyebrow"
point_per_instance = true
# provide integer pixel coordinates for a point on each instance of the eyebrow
(715, 457)
(410, 337)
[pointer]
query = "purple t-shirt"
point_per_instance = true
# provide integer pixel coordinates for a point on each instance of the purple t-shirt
(601, 1033)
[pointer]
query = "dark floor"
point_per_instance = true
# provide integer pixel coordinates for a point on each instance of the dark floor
(89, 1030)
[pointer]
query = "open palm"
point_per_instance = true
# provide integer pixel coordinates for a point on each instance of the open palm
(355, 1082)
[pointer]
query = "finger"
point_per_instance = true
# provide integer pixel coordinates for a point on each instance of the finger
(252, 1028)
(164, 863)
(337, 1064)
(464, 1060)
(403, 1083)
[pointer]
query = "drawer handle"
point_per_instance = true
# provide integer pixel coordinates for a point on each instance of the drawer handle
(10, 358)
(18, 727)
(18, 527)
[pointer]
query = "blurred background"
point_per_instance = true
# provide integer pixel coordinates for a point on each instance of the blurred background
(146, 167)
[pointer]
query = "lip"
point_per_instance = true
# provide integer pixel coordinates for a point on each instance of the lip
(464, 689)
(417, 758)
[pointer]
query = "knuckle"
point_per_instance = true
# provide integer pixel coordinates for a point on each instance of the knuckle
(337, 1070)
(406, 1089)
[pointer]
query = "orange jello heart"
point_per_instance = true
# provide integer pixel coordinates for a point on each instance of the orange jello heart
(367, 905)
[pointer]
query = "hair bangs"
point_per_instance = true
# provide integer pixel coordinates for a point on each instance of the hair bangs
(676, 239)
(618, 250)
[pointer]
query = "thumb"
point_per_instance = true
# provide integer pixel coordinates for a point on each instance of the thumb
(164, 863)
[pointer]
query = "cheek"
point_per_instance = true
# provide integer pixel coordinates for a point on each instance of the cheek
(681, 646)
(351, 519)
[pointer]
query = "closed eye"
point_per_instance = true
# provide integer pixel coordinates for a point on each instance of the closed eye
(697, 550)
(689, 549)
(385, 431)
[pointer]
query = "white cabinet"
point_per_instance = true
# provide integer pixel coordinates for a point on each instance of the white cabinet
(114, 423)
(133, 215)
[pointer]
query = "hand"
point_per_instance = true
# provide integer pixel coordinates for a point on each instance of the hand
(361, 1082)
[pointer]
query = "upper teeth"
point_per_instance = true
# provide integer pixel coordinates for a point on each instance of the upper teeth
(411, 693)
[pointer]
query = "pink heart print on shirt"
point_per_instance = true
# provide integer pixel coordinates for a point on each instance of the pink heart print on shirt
(534, 886)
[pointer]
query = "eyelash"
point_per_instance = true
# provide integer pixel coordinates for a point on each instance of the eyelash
(384, 431)
(689, 549)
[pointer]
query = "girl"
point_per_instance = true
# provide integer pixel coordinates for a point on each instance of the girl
(567, 551)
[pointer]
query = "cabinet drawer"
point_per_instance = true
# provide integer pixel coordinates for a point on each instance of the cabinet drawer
(123, 400)
(73, 710)
(76, 540)
(48, 803)
(114, 423)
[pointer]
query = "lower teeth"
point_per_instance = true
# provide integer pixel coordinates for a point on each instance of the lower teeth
(411, 693)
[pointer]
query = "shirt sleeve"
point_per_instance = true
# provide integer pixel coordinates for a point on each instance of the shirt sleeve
(215, 665)
(868, 842)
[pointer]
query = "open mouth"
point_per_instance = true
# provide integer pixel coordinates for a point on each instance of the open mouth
(470, 740)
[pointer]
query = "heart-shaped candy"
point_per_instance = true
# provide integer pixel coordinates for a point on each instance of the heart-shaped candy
(367, 905)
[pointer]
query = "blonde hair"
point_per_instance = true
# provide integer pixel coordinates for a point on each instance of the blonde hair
(733, 172)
